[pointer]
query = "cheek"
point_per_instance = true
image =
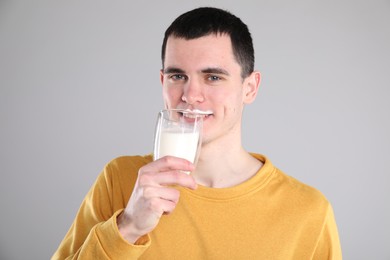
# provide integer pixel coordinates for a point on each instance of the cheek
(172, 96)
(229, 99)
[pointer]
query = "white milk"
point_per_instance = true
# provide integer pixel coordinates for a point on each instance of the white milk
(183, 145)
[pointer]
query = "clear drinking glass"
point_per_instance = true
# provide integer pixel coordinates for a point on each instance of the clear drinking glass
(178, 133)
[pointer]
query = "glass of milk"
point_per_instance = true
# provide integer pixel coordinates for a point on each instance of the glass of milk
(178, 133)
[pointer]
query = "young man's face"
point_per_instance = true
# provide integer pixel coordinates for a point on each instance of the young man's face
(203, 74)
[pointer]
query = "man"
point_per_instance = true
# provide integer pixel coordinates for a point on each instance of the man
(233, 205)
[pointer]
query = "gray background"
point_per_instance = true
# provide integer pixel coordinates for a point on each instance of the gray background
(80, 85)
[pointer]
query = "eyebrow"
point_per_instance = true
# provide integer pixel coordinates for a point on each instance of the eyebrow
(211, 70)
(215, 71)
(170, 70)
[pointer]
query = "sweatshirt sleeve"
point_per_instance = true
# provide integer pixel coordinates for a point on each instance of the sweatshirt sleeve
(94, 233)
(328, 245)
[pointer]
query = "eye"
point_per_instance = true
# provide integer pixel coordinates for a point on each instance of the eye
(214, 78)
(177, 77)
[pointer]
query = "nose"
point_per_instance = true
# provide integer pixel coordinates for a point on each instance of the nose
(192, 93)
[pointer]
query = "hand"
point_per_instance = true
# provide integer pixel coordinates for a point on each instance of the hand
(152, 195)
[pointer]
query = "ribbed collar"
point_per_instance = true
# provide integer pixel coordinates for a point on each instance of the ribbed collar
(258, 181)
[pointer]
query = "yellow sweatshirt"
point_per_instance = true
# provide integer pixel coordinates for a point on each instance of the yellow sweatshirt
(270, 216)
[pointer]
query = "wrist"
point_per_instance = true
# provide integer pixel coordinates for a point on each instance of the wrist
(125, 228)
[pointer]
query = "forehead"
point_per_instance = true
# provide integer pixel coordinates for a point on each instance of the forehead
(210, 50)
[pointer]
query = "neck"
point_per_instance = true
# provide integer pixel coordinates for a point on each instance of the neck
(224, 165)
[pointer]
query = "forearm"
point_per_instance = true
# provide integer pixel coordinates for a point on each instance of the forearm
(103, 242)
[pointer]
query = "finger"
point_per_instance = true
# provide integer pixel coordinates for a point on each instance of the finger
(165, 193)
(166, 178)
(161, 206)
(169, 207)
(169, 163)
(175, 178)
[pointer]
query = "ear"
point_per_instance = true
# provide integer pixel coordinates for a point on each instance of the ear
(161, 77)
(162, 85)
(251, 87)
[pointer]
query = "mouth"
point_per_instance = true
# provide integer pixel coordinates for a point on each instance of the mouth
(196, 113)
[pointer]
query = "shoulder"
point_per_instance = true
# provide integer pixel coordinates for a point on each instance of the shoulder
(288, 186)
(125, 167)
(129, 162)
(118, 178)
(281, 183)
(301, 195)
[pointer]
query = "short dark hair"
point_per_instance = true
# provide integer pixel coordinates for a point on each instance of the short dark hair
(204, 21)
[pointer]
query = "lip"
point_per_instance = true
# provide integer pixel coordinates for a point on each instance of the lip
(194, 115)
(197, 112)
(191, 114)
(200, 112)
